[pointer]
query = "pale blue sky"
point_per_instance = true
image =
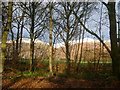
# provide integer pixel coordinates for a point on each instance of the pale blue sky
(92, 24)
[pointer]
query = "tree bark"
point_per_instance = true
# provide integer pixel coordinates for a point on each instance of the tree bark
(32, 39)
(67, 57)
(81, 53)
(50, 42)
(115, 54)
(13, 45)
(21, 33)
(5, 32)
(17, 42)
(31, 54)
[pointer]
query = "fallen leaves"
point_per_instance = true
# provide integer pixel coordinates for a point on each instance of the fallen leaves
(57, 82)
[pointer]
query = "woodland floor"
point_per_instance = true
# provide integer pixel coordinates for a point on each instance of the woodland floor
(56, 82)
(12, 79)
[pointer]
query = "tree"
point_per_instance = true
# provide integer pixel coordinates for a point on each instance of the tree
(114, 52)
(5, 32)
(18, 19)
(51, 40)
(67, 24)
(86, 10)
(36, 17)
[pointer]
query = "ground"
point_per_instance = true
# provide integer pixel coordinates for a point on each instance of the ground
(87, 78)
(57, 82)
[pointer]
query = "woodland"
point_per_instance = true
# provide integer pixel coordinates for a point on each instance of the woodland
(60, 44)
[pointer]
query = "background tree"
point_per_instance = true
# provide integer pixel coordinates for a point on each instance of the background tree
(34, 12)
(66, 31)
(17, 30)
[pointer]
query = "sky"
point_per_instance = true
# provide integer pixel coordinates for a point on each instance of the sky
(92, 25)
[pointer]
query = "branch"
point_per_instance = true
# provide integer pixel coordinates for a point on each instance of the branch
(103, 3)
(91, 32)
(95, 36)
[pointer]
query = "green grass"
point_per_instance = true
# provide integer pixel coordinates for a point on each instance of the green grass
(59, 62)
(27, 74)
(96, 62)
(24, 61)
(8, 77)
(46, 62)
(30, 74)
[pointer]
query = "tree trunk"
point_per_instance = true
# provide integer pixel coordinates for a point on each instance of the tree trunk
(32, 39)
(21, 33)
(50, 42)
(115, 54)
(32, 54)
(67, 57)
(13, 45)
(81, 53)
(100, 32)
(17, 42)
(5, 32)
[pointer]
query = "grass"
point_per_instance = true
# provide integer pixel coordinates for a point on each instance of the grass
(96, 62)
(43, 71)
(46, 62)
(30, 74)
(87, 75)
(83, 75)
(8, 77)
(59, 62)
(24, 61)
(27, 74)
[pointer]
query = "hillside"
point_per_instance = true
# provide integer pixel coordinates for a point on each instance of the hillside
(41, 49)
(90, 47)
(90, 51)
